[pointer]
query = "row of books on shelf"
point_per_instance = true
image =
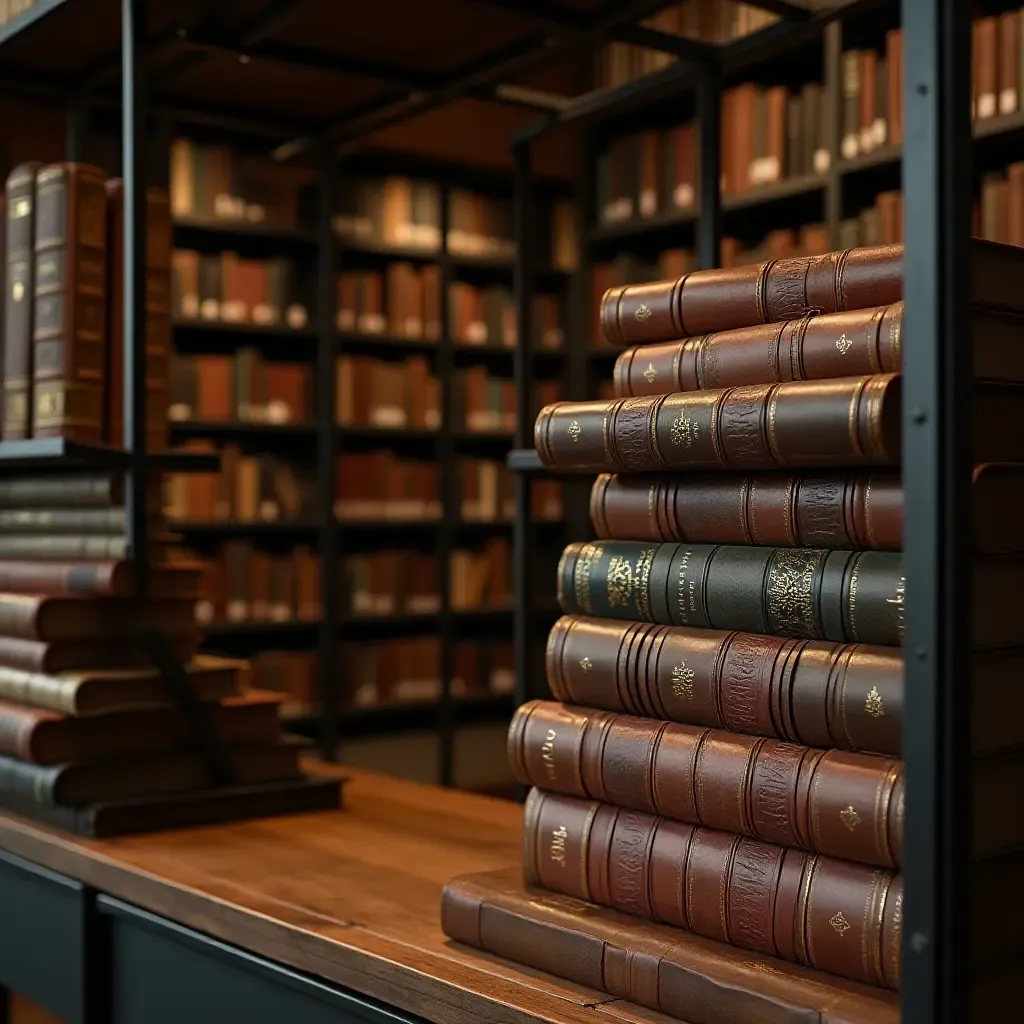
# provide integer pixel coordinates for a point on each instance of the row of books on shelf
(710, 21)
(399, 671)
(369, 486)
(242, 583)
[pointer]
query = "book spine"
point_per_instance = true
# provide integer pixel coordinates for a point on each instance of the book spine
(664, 969)
(76, 491)
(847, 696)
(28, 782)
(803, 593)
(60, 578)
(707, 301)
(17, 728)
(832, 802)
(69, 333)
(40, 691)
(109, 521)
(778, 509)
(20, 208)
(849, 344)
(804, 424)
(829, 914)
(47, 546)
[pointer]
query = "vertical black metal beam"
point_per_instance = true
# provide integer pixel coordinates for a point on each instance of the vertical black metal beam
(833, 97)
(450, 506)
(709, 227)
(937, 422)
(76, 127)
(329, 666)
(133, 143)
(524, 627)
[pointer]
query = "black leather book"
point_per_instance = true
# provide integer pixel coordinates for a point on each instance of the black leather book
(845, 596)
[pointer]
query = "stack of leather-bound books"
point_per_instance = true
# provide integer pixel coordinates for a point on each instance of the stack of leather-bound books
(716, 825)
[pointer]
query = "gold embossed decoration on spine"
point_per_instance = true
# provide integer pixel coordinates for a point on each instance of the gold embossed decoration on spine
(791, 582)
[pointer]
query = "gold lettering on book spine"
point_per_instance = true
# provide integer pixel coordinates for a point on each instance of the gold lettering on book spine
(839, 923)
(620, 582)
(586, 664)
(650, 373)
(849, 817)
(684, 432)
(547, 755)
(682, 681)
(574, 431)
(873, 704)
(558, 838)
(589, 554)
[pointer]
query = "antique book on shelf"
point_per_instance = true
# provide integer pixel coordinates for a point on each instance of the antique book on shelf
(847, 696)
(52, 618)
(830, 914)
(799, 424)
(49, 738)
(82, 655)
(145, 774)
(19, 304)
(832, 802)
(72, 490)
(69, 330)
(707, 301)
(674, 972)
(813, 424)
(815, 347)
(862, 510)
(804, 593)
(66, 546)
(102, 691)
(112, 578)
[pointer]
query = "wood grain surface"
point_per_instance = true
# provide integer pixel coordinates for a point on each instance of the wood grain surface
(352, 896)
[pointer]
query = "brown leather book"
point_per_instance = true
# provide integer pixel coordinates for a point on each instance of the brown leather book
(707, 301)
(851, 421)
(83, 655)
(19, 278)
(825, 801)
(113, 578)
(804, 593)
(49, 619)
(848, 696)
(830, 914)
(73, 785)
(47, 738)
(69, 330)
(664, 969)
(102, 691)
(836, 510)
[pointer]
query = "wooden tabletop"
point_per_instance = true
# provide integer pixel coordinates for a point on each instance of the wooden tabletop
(351, 896)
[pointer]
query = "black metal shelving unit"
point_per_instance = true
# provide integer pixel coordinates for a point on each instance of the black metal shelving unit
(938, 932)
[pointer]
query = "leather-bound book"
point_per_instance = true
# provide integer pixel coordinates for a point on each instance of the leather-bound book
(847, 696)
(113, 578)
(103, 691)
(19, 278)
(804, 593)
(47, 738)
(707, 301)
(830, 914)
(837, 510)
(49, 618)
(825, 801)
(83, 655)
(69, 330)
(804, 424)
(72, 785)
(859, 341)
(661, 968)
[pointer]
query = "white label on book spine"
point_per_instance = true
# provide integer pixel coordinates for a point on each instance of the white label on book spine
(986, 105)
(1008, 101)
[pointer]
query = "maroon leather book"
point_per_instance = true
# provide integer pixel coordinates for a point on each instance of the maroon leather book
(664, 969)
(838, 917)
(115, 578)
(81, 655)
(847, 696)
(804, 424)
(826, 801)
(706, 301)
(849, 344)
(837, 510)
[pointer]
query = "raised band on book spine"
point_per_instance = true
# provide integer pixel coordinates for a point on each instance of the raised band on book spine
(848, 696)
(803, 424)
(825, 801)
(830, 914)
(804, 593)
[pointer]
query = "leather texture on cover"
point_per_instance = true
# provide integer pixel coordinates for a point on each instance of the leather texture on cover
(820, 694)
(839, 917)
(833, 802)
(785, 510)
(804, 593)
(854, 343)
(707, 301)
(803, 424)
(664, 969)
